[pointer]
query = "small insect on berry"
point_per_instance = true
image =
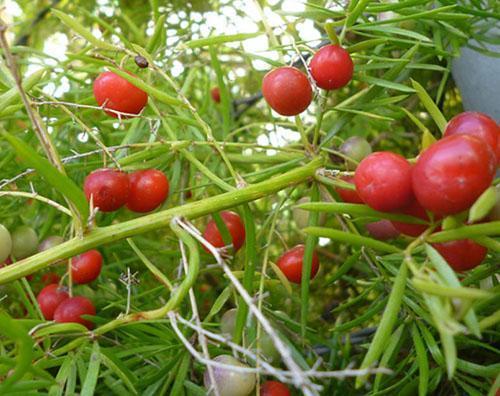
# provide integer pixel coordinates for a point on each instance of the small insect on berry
(291, 263)
(331, 67)
(235, 227)
(86, 267)
(287, 90)
(141, 61)
(72, 309)
(148, 190)
(108, 188)
(49, 298)
(116, 93)
(383, 181)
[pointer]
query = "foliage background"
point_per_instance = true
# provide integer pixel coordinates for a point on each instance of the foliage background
(330, 323)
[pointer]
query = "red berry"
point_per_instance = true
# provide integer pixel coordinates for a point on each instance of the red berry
(452, 173)
(274, 388)
(50, 277)
(383, 181)
(148, 190)
(287, 90)
(290, 263)
(414, 230)
(235, 227)
(86, 267)
(116, 93)
(331, 67)
(49, 298)
(347, 195)
(382, 230)
(72, 309)
(476, 124)
(461, 255)
(215, 93)
(109, 189)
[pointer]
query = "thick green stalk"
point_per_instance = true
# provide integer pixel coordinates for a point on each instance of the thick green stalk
(116, 232)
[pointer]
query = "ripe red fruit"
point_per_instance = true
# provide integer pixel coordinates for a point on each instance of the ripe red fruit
(382, 230)
(290, 263)
(383, 181)
(461, 255)
(452, 173)
(414, 230)
(215, 93)
(50, 277)
(72, 309)
(148, 190)
(49, 298)
(350, 196)
(86, 267)
(287, 90)
(116, 93)
(274, 388)
(476, 124)
(235, 227)
(109, 189)
(331, 67)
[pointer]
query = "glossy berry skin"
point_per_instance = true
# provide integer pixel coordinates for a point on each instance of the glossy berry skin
(290, 263)
(476, 124)
(229, 382)
(86, 267)
(5, 243)
(215, 94)
(287, 90)
(118, 94)
(414, 230)
(461, 255)
(452, 173)
(382, 230)
(274, 388)
(235, 227)
(355, 148)
(331, 67)
(383, 181)
(148, 190)
(347, 195)
(24, 242)
(109, 189)
(72, 309)
(49, 298)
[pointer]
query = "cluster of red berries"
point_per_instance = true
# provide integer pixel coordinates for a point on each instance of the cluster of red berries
(288, 90)
(141, 191)
(54, 300)
(290, 263)
(447, 179)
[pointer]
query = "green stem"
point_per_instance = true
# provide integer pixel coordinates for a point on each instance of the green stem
(116, 232)
(177, 296)
(484, 229)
